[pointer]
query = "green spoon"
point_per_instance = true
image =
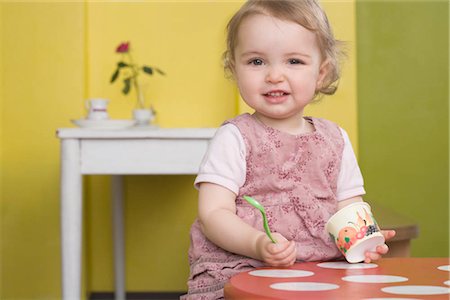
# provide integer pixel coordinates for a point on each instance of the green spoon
(258, 205)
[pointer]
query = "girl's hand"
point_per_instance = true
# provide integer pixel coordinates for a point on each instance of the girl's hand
(382, 249)
(281, 254)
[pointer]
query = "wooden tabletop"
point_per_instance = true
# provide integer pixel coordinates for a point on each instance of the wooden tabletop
(411, 278)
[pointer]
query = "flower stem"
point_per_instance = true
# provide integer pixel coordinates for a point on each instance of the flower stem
(134, 78)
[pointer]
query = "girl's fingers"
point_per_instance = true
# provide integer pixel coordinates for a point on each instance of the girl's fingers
(280, 251)
(371, 256)
(286, 257)
(279, 238)
(286, 262)
(380, 250)
(291, 254)
(388, 234)
(278, 247)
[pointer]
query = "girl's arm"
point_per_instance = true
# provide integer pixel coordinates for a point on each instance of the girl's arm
(220, 224)
(388, 234)
(344, 203)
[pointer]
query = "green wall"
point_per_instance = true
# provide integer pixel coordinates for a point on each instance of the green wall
(403, 98)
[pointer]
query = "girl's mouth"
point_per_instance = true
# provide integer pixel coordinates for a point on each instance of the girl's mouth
(276, 96)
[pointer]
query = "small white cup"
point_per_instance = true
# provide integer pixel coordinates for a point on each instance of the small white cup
(143, 117)
(355, 231)
(97, 109)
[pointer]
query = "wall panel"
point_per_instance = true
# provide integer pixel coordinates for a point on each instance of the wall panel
(403, 97)
(42, 85)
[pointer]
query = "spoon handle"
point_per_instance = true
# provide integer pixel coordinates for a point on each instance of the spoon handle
(267, 229)
(257, 205)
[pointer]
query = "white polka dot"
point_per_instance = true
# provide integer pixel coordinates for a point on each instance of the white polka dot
(447, 282)
(416, 290)
(374, 278)
(346, 265)
(304, 286)
(281, 273)
(444, 268)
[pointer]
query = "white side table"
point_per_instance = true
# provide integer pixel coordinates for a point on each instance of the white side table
(116, 152)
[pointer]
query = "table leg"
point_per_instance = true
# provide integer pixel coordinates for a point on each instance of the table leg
(119, 252)
(71, 219)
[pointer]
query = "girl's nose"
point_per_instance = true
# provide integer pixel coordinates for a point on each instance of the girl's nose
(274, 75)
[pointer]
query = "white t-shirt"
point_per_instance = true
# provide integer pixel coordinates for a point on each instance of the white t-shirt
(224, 164)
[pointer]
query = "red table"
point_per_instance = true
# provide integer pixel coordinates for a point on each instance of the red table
(409, 272)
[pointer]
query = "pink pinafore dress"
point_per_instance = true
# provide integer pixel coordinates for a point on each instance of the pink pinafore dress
(295, 178)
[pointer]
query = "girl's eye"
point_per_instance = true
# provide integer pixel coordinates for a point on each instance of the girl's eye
(256, 62)
(294, 61)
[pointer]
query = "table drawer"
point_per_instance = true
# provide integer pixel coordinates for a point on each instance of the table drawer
(142, 156)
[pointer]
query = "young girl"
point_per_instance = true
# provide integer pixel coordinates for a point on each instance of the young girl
(282, 55)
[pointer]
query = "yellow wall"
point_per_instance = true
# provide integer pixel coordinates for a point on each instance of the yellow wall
(342, 107)
(185, 39)
(42, 48)
(56, 54)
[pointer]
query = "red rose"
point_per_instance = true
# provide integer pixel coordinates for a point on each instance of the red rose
(123, 48)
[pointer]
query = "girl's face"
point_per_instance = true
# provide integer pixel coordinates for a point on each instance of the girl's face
(278, 67)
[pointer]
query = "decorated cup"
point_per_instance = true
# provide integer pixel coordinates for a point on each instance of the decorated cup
(355, 231)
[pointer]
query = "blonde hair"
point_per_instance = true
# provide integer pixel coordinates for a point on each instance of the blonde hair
(306, 13)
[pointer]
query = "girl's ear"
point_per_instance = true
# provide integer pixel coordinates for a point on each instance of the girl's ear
(323, 72)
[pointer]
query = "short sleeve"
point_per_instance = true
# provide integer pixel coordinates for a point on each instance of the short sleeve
(224, 162)
(350, 181)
